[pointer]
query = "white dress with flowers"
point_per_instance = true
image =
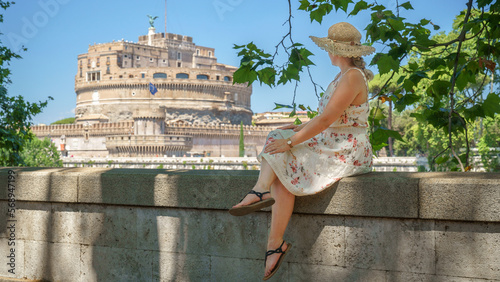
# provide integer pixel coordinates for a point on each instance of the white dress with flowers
(343, 149)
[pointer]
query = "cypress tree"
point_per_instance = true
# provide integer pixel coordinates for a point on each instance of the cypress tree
(242, 143)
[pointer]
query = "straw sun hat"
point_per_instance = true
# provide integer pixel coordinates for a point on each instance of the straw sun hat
(343, 40)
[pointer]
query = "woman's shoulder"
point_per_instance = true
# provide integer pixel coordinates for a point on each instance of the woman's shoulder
(355, 76)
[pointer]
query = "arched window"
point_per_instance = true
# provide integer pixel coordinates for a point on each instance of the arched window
(227, 78)
(202, 76)
(182, 75)
(160, 75)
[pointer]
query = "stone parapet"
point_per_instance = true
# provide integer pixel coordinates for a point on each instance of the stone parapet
(86, 224)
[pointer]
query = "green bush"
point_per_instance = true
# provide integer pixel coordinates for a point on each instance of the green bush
(70, 120)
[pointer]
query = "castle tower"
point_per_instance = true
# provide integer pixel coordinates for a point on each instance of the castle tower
(113, 80)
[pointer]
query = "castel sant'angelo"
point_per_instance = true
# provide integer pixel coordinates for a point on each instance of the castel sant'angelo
(160, 96)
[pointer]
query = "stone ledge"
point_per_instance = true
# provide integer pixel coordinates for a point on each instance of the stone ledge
(444, 196)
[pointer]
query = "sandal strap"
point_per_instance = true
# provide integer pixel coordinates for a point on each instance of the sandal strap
(276, 251)
(259, 194)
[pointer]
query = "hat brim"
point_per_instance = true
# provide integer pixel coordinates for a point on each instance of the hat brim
(342, 49)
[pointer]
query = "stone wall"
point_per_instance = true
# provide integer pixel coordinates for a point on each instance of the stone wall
(87, 224)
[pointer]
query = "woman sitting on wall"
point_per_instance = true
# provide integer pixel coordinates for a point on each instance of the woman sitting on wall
(306, 159)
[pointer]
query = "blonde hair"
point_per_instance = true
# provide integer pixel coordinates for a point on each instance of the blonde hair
(360, 63)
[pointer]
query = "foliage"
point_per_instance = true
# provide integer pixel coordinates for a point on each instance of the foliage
(242, 142)
(445, 73)
(40, 153)
(489, 144)
(69, 120)
(15, 112)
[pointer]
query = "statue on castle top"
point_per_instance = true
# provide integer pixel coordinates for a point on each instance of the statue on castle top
(152, 20)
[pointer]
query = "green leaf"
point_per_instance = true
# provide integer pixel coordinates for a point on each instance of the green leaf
(491, 105)
(407, 100)
(244, 74)
(398, 24)
(279, 106)
(361, 5)
(267, 76)
(442, 159)
(435, 63)
(440, 88)
(407, 5)
(386, 63)
(304, 5)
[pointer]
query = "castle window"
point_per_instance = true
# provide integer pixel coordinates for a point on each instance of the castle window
(130, 76)
(210, 53)
(150, 59)
(179, 64)
(125, 56)
(202, 76)
(179, 56)
(81, 74)
(227, 78)
(138, 58)
(182, 75)
(109, 49)
(197, 52)
(217, 77)
(164, 61)
(107, 70)
(126, 47)
(142, 75)
(93, 75)
(160, 75)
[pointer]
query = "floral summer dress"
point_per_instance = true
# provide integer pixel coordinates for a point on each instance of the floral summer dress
(343, 149)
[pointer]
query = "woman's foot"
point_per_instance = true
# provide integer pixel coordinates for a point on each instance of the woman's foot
(274, 257)
(251, 198)
(255, 200)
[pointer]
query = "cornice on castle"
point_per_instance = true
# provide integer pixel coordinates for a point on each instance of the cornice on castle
(126, 128)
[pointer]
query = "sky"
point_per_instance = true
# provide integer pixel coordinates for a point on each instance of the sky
(57, 31)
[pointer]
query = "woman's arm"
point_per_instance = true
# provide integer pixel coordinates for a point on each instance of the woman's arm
(349, 87)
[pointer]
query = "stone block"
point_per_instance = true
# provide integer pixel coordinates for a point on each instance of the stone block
(43, 184)
(237, 269)
(468, 249)
(200, 189)
(186, 189)
(392, 276)
(100, 263)
(3, 219)
(52, 261)
(467, 197)
(111, 226)
(16, 258)
(316, 239)
(181, 267)
(202, 233)
(399, 245)
(34, 220)
(327, 273)
(371, 194)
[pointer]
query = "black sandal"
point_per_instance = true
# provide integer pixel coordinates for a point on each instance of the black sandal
(280, 260)
(244, 210)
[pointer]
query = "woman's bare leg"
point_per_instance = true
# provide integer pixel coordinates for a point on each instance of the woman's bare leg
(266, 178)
(281, 213)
